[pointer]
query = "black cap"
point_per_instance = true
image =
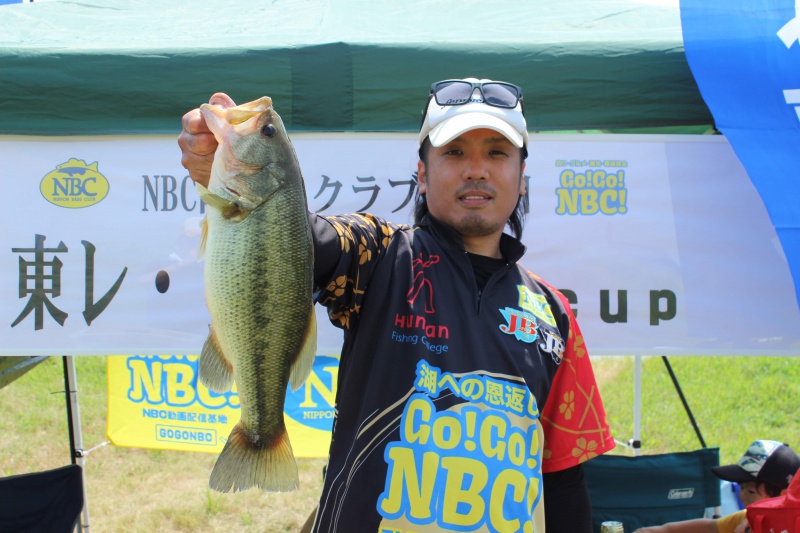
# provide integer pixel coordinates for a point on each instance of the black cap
(767, 461)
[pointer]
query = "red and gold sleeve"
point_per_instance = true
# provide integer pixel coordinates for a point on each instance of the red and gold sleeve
(574, 419)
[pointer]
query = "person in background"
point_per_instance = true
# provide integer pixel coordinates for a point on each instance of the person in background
(764, 471)
(466, 399)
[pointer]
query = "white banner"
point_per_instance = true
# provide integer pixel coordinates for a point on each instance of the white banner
(661, 242)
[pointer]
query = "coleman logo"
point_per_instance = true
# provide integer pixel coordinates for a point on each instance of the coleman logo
(680, 494)
(520, 324)
(74, 184)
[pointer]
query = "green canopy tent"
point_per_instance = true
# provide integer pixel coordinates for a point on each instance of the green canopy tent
(91, 67)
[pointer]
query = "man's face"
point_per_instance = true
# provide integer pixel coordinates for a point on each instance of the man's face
(752, 492)
(473, 184)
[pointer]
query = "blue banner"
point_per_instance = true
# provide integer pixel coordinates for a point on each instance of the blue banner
(745, 57)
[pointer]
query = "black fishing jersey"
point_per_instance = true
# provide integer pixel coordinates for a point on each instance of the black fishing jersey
(452, 401)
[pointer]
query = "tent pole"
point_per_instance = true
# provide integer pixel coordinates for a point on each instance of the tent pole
(68, 396)
(636, 441)
(683, 400)
(75, 434)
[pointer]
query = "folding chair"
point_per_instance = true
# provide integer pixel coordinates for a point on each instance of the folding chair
(652, 489)
(42, 502)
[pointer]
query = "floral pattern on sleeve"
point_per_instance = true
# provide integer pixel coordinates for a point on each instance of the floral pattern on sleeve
(362, 240)
(574, 419)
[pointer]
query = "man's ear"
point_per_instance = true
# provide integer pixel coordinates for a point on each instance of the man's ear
(422, 178)
(522, 184)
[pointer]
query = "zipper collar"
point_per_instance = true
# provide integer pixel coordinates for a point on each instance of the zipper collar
(510, 247)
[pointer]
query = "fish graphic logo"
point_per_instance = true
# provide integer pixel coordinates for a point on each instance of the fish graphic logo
(74, 185)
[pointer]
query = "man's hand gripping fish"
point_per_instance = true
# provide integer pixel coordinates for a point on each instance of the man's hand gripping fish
(258, 282)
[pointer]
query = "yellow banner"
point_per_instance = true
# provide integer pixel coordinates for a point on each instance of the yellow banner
(158, 402)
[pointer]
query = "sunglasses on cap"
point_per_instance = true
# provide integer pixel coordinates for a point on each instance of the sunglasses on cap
(494, 93)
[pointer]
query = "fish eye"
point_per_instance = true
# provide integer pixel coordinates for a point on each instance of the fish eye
(269, 130)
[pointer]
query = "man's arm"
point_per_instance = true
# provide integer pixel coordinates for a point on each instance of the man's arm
(566, 501)
(327, 250)
(701, 525)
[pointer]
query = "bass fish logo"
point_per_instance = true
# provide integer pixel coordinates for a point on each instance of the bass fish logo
(74, 184)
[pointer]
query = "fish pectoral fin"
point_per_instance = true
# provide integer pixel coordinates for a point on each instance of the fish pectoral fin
(212, 200)
(216, 372)
(201, 249)
(301, 368)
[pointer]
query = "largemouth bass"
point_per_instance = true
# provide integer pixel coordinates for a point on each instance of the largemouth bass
(258, 282)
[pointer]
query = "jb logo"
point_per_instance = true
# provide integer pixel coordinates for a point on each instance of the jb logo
(520, 324)
(552, 344)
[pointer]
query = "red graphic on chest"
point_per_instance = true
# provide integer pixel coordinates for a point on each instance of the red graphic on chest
(421, 284)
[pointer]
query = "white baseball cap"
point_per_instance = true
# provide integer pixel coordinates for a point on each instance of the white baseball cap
(443, 123)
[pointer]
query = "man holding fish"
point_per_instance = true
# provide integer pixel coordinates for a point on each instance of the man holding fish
(466, 399)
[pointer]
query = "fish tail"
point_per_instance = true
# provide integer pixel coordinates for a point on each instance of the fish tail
(243, 464)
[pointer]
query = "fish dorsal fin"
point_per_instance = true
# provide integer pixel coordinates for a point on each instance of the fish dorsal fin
(216, 372)
(301, 368)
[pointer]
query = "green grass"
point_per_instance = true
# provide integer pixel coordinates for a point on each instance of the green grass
(735, 400)
(130, 489)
